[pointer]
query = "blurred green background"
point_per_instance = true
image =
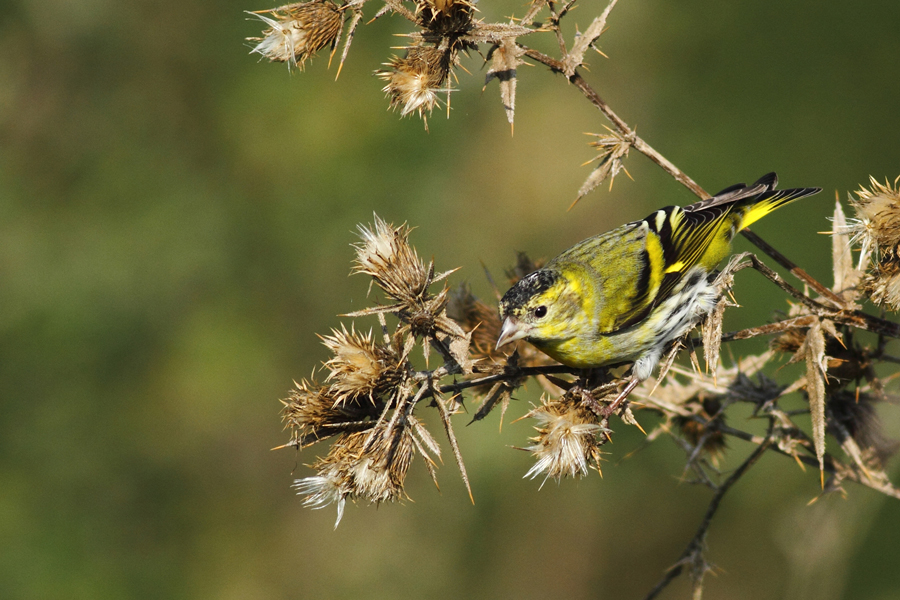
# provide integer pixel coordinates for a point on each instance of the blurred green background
(175, 221)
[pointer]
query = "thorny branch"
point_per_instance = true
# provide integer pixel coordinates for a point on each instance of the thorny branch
(638, 143)
(368, 400)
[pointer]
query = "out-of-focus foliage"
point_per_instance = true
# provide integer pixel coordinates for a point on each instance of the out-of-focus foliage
(175, 225)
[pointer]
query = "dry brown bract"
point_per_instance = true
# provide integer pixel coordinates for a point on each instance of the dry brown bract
(360, 367)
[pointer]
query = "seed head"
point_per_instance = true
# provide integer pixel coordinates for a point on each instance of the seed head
(360, 368)
(477, 317)
(788, 342)
(855, 415)
(443, 7)
(414, 81)
(711, 440)
(524, 266)
(882, 284)
(876, 228)
(386, 256)
(566, 443)
(313, 412)
(323, 489)
(297, 31)
(445, 18)
(358, 468)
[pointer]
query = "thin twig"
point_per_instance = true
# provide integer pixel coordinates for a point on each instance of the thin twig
(778, 280)
(793, 268)
(770, 328)
(853, 318)
(623, 128)
(519, 372)
(693, 554)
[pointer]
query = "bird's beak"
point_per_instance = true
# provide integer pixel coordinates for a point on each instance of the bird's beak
(511, 331)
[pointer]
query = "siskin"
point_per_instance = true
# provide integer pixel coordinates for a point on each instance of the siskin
(624, 295)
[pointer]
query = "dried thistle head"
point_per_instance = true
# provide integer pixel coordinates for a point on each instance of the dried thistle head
(477, 317)
(705, 435)
(386, 255)
(566, 443)
(759, 391)
(433, 9)
(414, 81)
(393, 264)
(788, 342)
(878, 208)
(360, 367)
(379, 470)
(524, 266)
(483, 320)
(445, 18)
(313, 412)
(368, 465)
(843, 360)
(882, 284)
(297, 31)
(876, 228)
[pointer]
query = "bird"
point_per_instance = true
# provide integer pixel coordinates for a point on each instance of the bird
(625, 295)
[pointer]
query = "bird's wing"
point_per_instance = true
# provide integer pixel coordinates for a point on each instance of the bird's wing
(702, 232)
(675, 241)
(736, 193)
(633, 268)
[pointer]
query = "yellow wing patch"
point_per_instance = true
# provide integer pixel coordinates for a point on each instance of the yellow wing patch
(675, 267)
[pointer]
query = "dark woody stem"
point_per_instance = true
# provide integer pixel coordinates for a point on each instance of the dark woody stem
(793, 268)
(692, 556)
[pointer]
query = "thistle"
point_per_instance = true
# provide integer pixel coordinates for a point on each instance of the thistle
(445, 18)
(297, 31)
(877, 224)
(386, 256)
(367, 404)
(414, 81)
(566, 443)
(357, 468)
(360, 367)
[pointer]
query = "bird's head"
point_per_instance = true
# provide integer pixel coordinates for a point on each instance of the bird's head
(541, 308)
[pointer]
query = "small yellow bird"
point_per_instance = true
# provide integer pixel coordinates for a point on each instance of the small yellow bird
(624, 295)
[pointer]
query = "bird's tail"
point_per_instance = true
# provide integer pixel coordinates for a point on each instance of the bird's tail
(754, 208)
(749, 203)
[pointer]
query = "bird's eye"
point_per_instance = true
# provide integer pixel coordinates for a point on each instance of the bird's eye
(540, 312)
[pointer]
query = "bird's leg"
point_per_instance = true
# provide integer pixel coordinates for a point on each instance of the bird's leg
(612, 406)
(587, 398)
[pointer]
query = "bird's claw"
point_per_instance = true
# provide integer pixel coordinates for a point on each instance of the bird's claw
(610, 408)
